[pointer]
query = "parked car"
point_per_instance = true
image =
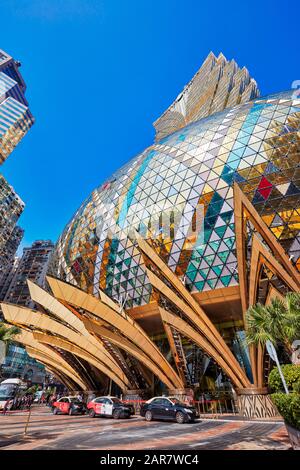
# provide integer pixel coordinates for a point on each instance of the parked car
(168, 408)
(68, 405)
(110, 407)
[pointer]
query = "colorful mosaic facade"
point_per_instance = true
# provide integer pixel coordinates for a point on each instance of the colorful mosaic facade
(255, 144)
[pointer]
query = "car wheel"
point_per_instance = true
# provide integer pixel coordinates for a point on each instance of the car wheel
(180, 417)
(55, 411)
(148, 416)
(116, 414)
(92, 413)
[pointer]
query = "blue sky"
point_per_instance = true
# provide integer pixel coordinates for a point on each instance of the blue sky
(99, 72)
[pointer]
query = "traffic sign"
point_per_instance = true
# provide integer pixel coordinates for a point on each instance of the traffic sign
(2, 352)
(273, 354)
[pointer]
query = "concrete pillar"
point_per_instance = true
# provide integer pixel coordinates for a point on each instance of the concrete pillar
(135, 398)
(255, 403)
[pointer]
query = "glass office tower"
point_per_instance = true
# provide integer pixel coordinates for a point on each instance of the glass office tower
(15, 116)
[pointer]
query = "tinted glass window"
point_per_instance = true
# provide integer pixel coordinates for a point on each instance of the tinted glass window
(166, 402)
(101, 400)
(7, 391)
(116, 400)
(176, 401)
(107, 401)
(157, 401)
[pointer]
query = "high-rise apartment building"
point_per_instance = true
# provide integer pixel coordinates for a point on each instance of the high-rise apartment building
(11, 207)
(33, 265)
(9, 260)
(18, 364)
(15, 121)
(7, 275)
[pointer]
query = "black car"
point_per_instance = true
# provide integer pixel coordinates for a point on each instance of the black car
(109, 407)
(168, 408)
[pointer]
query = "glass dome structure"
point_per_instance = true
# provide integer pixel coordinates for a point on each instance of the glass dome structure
(186, 176)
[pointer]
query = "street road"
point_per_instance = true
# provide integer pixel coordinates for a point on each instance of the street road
(47, 431)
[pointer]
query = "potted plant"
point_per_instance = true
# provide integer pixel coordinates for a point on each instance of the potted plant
(288, 405)
(279, 323)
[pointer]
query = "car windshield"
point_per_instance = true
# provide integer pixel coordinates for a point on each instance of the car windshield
(7, 391)
(75, 400)
(116, 400)
(175, 401)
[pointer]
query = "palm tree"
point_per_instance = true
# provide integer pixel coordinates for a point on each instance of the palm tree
(7, 333)
(278, 322)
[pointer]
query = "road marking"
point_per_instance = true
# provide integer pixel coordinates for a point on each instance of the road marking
(248, 421)
(199, 444)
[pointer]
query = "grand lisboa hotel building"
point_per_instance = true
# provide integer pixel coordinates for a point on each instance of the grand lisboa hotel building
(151, 279)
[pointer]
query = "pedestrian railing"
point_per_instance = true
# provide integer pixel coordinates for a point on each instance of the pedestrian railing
(137, 404)
(18, 410)
(215, 406)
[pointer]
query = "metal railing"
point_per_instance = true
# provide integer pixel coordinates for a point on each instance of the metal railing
(217, 406)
